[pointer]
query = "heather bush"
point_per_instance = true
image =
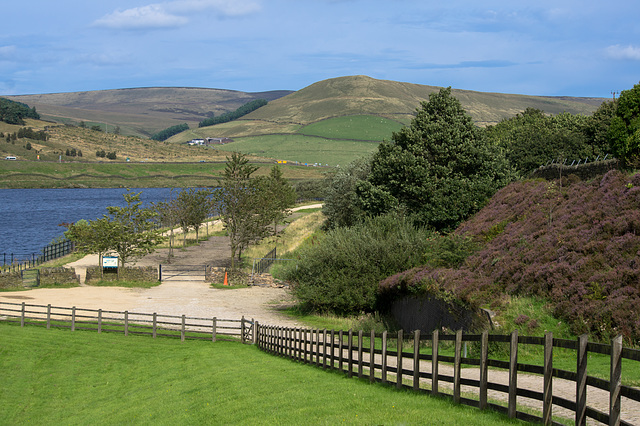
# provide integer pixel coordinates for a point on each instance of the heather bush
(575, 246)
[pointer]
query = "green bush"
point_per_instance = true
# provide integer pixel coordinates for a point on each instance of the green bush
(340, 271)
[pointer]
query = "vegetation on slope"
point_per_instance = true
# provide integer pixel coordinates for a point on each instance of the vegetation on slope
(575, 246)
(12, 112)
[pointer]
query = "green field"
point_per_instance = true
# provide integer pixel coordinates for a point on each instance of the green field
(358, 127)
(63, 377)
(303, 149)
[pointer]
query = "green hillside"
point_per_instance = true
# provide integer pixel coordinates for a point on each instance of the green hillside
(358, 112)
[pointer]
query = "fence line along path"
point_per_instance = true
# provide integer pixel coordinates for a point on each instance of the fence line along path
(134, 323)
(549, 391)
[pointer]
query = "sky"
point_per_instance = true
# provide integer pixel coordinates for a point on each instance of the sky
(541, 47)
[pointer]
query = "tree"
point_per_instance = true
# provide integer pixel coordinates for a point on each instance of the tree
(239, 202)
(341, 206)
(192, 209)
(533, 138)
(440, 169)
(128, 231)
(280, 197)
(624, 131)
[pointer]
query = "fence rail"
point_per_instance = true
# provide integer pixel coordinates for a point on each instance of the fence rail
(154, 324)
(19, 262)
(374, 357)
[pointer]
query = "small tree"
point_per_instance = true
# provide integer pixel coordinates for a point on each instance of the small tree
(240, 203)
(192, 208)
(128, 231)
(279, 196)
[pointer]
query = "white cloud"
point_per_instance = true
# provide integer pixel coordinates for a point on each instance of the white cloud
(173, 14)
(145, 17)
(624, 52)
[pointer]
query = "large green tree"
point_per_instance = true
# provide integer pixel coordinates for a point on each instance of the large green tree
(624, 130)
(439, 170)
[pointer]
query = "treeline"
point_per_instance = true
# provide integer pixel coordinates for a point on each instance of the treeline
(12, 112)
(165, 134)
(230, 116)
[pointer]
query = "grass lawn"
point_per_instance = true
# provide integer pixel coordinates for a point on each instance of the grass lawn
(303, 149)
(59, 376)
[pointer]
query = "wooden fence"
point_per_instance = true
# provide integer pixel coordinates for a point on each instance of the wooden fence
(156, 325)
(372, 356)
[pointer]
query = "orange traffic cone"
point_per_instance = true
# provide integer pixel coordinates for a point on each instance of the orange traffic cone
(225, 279)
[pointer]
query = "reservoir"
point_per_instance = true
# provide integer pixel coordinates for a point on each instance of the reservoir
(29, 218)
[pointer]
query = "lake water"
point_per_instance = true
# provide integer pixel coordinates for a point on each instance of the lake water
(29, 218)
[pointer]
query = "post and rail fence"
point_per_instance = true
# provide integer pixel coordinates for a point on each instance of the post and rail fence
(382, 358)
(129, 323)
(13, 262)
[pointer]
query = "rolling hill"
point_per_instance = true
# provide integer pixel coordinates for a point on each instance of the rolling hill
(337, 120)
(330, 122)
(141, 111)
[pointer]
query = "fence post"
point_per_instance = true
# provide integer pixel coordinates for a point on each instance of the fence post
(615, 379)
(399, 361)
(360, 353)
(126, 323)
(434, 362)
(484, 368)
(372, 356)
(340, 350)
(384, 357)
(22, 311)
(73, 319)
(581, 381)
(155, 325)
(182, 330)
(547, 394)
(324, 349)
(242, 329)
(350, 354)
(99, 320)
(332, 349)
(160, 272)
(416, 360)
(513, 374)
(457, 368)
(49, 315)
(256, 335)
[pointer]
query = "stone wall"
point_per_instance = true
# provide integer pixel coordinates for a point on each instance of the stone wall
(129, 273)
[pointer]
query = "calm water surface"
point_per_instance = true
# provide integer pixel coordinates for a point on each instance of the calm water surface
(29, 218)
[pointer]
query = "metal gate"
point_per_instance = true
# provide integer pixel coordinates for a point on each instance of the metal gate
(30, 277)
(182, 272)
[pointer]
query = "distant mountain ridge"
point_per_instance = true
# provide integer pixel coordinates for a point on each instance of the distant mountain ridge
(144, 111)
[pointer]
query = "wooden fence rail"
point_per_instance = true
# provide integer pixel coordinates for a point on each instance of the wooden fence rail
(156, 325)
(373, 356)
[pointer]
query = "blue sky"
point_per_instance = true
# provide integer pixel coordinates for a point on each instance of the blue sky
(573, 48)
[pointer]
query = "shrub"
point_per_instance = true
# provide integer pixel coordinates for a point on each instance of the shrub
(340, 271)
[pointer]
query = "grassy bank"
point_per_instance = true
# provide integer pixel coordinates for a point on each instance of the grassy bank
(59, 376)
(34, 174)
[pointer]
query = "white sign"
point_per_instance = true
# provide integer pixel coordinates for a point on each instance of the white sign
(110, 262)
